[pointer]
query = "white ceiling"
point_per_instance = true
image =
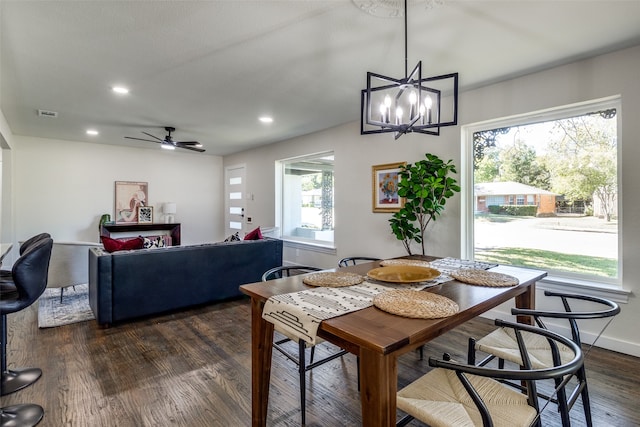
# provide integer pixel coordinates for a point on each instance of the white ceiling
(211, 68)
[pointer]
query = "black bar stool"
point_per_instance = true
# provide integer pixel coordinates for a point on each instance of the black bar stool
(29, 278)
(6, 274)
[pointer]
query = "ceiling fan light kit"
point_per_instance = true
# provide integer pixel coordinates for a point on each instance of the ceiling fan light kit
(410, 104)
(169, 143)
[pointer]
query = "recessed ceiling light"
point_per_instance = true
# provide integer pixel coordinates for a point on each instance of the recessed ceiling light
(120, 89)
(266, 119)
(92, 132)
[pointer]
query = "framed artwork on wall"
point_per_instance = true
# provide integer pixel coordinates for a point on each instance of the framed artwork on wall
(129, 196)
(145, 214)
(385, 187)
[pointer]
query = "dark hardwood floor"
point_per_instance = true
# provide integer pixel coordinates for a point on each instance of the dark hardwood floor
(193, 369)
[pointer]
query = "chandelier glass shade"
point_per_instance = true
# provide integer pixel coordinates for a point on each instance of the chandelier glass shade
(410, 104)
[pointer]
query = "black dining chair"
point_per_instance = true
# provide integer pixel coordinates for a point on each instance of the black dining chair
(29, 276)
(455, 394)
(298, 358)
(502, 344)
(345, 262)
(286, 271)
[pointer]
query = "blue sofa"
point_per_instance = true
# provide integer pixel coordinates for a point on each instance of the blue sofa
(129, 284)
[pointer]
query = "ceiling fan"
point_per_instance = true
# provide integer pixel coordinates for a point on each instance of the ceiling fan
(168, 141)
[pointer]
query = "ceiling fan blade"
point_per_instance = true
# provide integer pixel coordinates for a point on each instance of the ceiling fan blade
(140, 139)
(153, 136)
(186, 147)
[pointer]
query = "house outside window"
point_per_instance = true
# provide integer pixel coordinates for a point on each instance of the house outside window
(306, 194)
(565, 218)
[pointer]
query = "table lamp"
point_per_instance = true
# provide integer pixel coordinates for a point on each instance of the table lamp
(169, 210)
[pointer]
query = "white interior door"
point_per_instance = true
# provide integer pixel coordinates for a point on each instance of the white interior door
(235, 200)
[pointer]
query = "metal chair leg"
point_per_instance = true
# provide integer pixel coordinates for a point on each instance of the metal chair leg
(358, 369)
(303, 374)
(15, 379)
(582, 375)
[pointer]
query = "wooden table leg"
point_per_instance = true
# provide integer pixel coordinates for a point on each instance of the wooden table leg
(527, 300)
(261, 348)
(378, 388)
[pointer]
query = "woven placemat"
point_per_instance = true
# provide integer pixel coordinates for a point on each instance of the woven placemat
(416, 262)
(415, 304)
(484, 278)
(330, 279)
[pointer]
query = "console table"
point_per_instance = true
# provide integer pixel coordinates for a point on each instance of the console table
(108, 229)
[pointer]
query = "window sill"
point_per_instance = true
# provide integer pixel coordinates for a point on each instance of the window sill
(584, 287)
(327, 248)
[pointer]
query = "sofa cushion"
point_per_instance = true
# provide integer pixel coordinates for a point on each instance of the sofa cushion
(255, 234)
(115, 245)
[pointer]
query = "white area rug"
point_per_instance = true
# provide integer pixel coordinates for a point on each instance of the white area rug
(74, 307)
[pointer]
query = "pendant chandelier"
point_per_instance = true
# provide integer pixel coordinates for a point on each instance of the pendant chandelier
(410, 104)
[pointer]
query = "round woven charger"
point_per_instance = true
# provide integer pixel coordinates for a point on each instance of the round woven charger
(416, 262)
(484, 278)
(415, 304)
(329, 279)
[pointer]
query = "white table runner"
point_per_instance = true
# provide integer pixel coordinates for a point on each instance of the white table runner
(299, 313)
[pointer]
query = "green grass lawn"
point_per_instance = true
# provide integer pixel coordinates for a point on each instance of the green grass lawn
(549, 260)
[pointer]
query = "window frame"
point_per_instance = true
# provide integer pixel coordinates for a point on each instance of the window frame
(323, 246)
(555, 280)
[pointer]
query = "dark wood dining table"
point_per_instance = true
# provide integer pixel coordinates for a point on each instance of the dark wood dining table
(377, 337)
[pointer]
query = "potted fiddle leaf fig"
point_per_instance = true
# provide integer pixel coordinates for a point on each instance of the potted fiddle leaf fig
(426, 186)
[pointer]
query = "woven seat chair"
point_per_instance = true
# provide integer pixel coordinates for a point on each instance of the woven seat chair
(502, 344)
(456, 394)
(298, 358)
(345, 262)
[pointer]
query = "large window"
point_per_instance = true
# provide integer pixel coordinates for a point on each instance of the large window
(564, 163)
(306, 195)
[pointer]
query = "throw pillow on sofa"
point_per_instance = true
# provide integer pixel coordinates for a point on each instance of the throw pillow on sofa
(153, 242)
(115, 245)
(233, 238)
(255, 234)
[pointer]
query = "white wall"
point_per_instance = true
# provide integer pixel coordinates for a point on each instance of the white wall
(358, 231)
(63, 187)
(6, 217)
